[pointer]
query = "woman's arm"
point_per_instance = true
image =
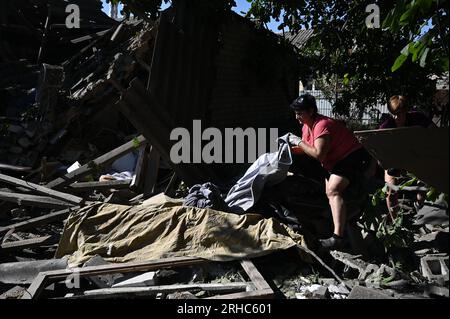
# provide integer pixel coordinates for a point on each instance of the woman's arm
(320, 149)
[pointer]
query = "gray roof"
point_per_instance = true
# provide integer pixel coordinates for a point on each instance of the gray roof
(299, 38)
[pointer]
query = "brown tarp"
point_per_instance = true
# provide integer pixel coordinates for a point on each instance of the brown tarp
(421, 151)
(161, 227)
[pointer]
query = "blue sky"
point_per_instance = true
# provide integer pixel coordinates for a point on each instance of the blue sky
(242, 7)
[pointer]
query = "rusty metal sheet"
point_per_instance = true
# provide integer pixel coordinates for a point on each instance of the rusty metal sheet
(421, 151)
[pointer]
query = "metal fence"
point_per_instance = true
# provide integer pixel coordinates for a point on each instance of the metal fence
(325, 107)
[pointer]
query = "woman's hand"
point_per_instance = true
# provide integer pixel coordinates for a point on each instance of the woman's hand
(294, 140)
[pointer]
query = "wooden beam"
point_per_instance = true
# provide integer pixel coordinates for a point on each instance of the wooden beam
(148, 291)
(254, 275)
(139, 173)
(15, 168)
(81, 52)
(170, 191)
(263, 289)
(38, 221)
(152, 172)
(23, 244)
(116, 32)
(48, 277)
(99, 161)
(44, 34)
(33, 200)
(128, 267)
(256, 294)
(90, 36)
(36, 286)
(106, 185)
(41, 190)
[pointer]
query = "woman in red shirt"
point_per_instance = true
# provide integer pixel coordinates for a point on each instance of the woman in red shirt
(337, 149)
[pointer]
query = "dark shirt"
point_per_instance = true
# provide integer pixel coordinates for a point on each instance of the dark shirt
(413, 118)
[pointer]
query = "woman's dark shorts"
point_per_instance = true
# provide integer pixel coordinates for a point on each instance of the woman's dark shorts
(353, 166)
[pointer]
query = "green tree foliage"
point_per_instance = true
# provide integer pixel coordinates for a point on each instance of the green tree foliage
(359, 65)
(357, 61)
(415, 17)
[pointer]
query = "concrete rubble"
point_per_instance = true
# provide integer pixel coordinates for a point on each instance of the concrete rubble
(67, 140)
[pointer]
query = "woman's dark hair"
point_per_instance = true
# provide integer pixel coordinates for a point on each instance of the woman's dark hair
(305, 102)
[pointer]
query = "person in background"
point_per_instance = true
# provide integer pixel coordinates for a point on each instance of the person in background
(341, 155)
(401, 116)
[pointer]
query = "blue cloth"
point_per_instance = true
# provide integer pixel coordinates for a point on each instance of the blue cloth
(205, 196)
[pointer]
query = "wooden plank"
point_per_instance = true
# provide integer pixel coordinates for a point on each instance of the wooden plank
(36, 287)
(154, 290)
(23, 244)
(257, 294)
(139, 172)
(100, 161)
(15, 168)
(90, 186)
(263, 289)
(170, 191)
(116, 32)
(128, 267)
(38, 221)
(44, 35)
(90, 36)
(81, 52)
(254, 275)
(33, 200)
(41, 189)
(50, 276)
(152, 172)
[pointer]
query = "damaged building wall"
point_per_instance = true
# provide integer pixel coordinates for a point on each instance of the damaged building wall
(205, 68)
(195, 67)
(250, 89)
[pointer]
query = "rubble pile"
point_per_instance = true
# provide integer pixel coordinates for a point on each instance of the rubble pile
(75, 172)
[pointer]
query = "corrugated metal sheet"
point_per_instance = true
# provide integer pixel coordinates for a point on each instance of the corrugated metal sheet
(182, 67)
(299, 38)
